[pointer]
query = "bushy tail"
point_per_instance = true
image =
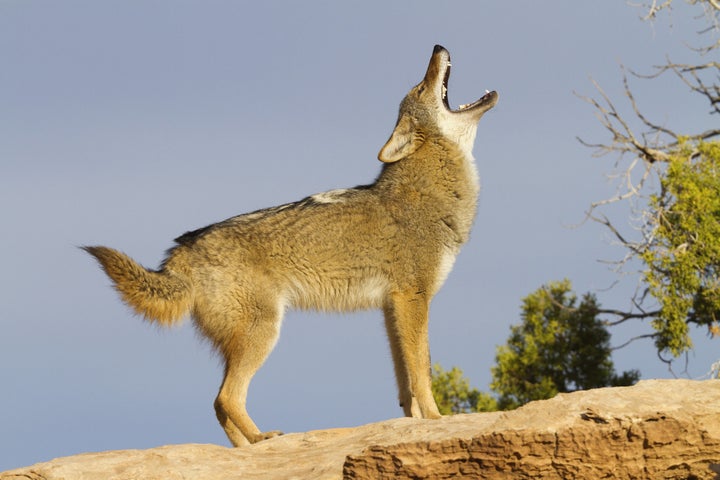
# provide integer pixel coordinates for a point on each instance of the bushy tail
(159, 296)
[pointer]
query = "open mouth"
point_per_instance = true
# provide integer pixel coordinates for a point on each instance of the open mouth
(485, 102)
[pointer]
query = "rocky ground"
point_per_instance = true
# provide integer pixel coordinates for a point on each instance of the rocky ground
(657, 429)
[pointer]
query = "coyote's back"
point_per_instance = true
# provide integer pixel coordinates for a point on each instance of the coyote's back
(386, 245)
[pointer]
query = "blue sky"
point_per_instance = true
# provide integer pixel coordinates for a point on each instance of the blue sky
(126, 123)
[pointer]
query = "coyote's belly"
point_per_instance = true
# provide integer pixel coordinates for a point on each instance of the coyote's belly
(338, 294)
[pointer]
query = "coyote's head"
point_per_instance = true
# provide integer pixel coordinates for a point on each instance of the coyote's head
(425, 112)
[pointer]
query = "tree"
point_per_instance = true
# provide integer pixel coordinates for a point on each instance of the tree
(453, 394)
(558, 347)
(671, 241)
(683, 257)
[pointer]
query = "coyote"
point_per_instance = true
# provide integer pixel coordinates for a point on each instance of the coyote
(388, 245)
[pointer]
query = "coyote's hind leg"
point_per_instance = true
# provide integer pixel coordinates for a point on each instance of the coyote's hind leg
(253, 339)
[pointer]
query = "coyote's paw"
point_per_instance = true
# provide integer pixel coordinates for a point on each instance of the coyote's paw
(265, 435)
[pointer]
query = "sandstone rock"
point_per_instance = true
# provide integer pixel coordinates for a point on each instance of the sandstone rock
(659, 429)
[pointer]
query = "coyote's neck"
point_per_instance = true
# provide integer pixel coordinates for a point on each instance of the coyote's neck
(463, 134)
(439, 180)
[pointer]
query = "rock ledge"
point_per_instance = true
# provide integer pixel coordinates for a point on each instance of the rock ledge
(657, 429)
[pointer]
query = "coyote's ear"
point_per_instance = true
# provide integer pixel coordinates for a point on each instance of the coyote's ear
(403, 141)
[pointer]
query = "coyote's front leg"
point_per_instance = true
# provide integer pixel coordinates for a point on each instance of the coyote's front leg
(406, 320)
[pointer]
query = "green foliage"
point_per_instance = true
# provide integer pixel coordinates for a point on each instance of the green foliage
(558, 347)
(453, 394)
(683, 258)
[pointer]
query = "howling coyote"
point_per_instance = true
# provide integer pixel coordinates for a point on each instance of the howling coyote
(388, 245)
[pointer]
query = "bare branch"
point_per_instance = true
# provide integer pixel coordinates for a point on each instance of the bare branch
(639, 337)
(690, 75)
(628, 188)
(670, 362)
(653, 127)
(623, 139)
(654, 7)
(625, 316)
(606, 222)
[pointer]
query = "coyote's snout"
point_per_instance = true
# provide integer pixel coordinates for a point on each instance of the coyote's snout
(387, 245)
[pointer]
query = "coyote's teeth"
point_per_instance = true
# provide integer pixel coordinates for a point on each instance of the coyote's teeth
(463, 107)
(444, 91)
(487, 91)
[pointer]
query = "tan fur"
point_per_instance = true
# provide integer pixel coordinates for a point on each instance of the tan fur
(387, 245)
(158, 296)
